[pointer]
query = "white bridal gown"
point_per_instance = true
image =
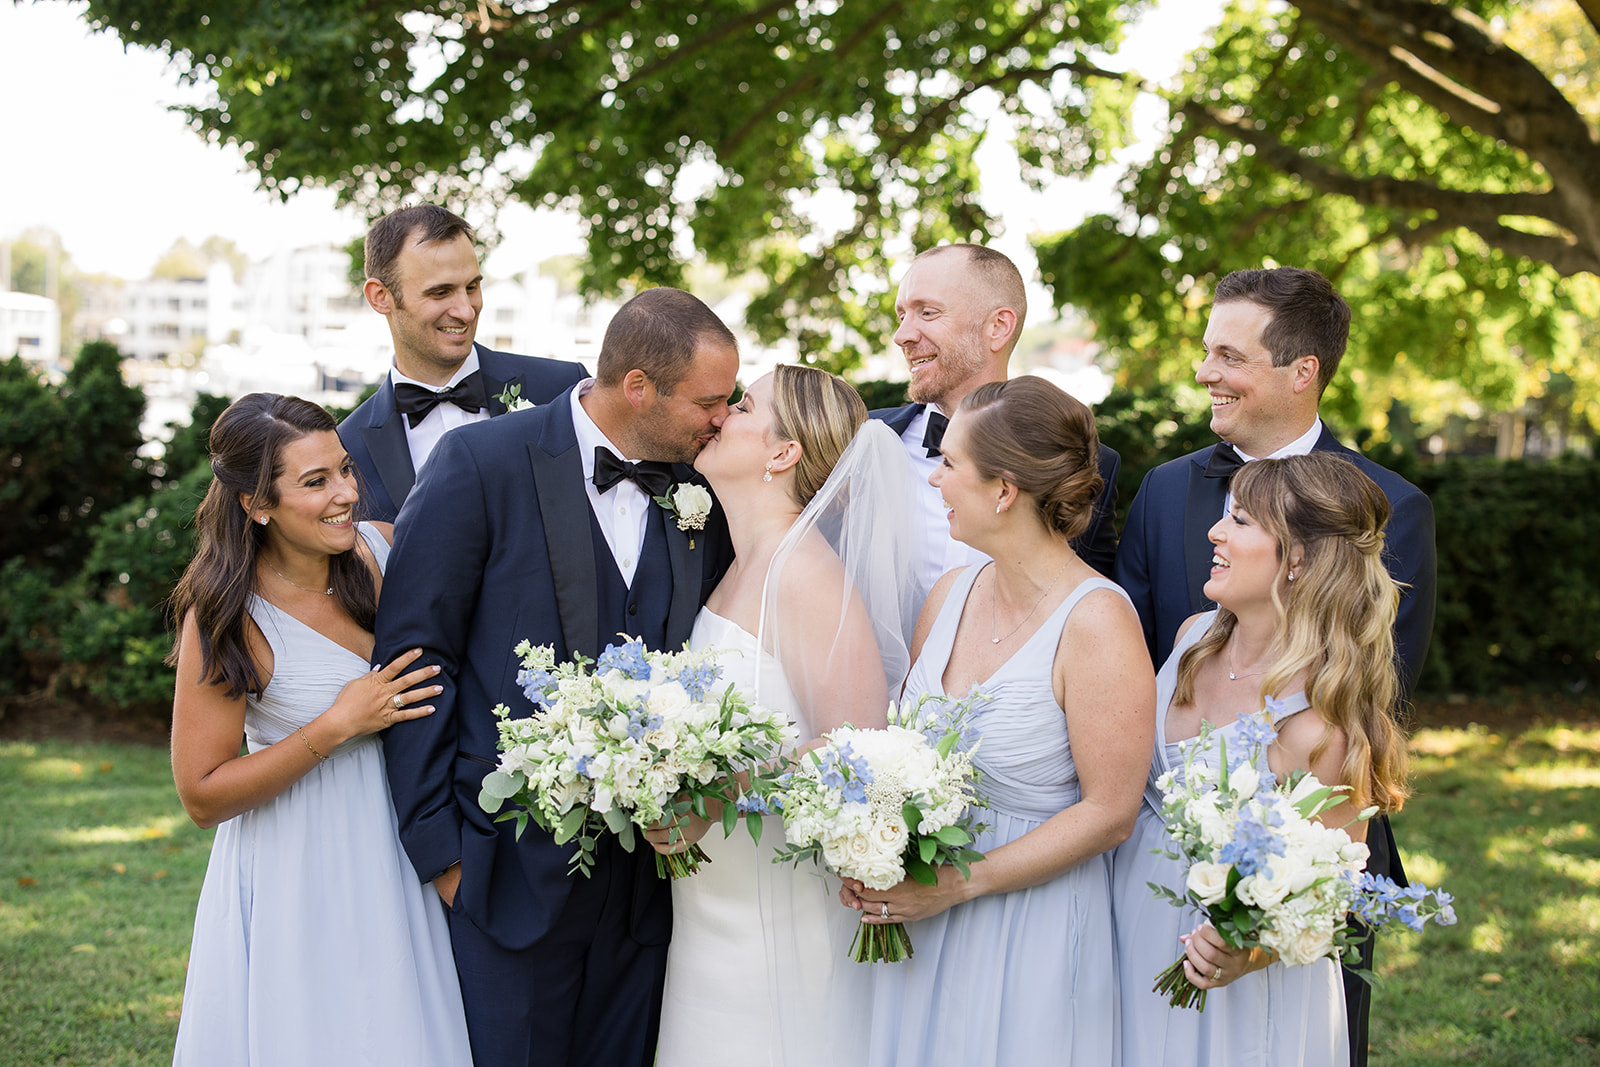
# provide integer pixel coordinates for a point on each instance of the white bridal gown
(757, 972)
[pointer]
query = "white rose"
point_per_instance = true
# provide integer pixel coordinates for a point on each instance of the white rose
(891, 836)
(1306, 945)
(1268, 886)
(1209, 881)
(693, 504)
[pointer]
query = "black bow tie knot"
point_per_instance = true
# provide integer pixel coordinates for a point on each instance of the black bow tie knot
(415, 401)
(933, 437)
(609, 469)
(1224, 463)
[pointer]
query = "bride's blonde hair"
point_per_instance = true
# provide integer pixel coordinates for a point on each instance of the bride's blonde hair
(819, 411)
(1336, 622)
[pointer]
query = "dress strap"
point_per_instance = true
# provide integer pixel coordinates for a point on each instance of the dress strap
(375, 541)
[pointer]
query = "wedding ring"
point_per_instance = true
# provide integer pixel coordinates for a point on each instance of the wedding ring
(399, 702)
(1218, 976)
(886, 909)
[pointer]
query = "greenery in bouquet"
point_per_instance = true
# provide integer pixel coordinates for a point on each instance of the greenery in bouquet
(640, 740)
(884, 805)
(1263, 870)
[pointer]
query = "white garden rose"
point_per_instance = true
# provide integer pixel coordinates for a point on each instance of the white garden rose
(1306, 945)
(1208, 881)
(693, 504)
(1268, 886)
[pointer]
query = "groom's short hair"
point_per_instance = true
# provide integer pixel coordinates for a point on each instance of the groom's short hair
(658, 332)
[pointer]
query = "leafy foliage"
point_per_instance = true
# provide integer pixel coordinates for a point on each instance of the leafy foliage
(723, 124)
(1408, 149)
(67, 455)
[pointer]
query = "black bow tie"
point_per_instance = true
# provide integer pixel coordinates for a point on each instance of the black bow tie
(1224, 463)
(654, 478)
(415, 401)
(933, 437)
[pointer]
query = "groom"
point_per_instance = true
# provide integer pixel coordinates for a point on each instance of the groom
(539, 525)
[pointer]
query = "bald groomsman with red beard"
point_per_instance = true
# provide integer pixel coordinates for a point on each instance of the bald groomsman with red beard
(961, 308)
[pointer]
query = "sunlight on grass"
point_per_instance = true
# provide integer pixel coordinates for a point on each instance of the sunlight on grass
(1564, 739)
(1421, 867)
(54, 770)
(1489, 937)
(160, 826)
(1546, 777)
(1579, 917)
(1447, 743)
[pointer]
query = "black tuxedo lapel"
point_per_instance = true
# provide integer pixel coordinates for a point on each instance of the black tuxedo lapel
(564, 508)
(686, 577)
(1202, 508)
(899, 418)
(385, 438)
(497, 378)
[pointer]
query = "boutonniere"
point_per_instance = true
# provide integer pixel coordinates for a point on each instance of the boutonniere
(511, 397)
(690, 504)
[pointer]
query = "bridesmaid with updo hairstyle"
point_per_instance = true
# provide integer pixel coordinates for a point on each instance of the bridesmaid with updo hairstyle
(1014, 965)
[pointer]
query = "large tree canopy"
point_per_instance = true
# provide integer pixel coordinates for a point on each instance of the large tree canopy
(1440, 159)
(728, 122)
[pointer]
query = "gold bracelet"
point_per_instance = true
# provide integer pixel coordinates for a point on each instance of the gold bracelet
(301, 730)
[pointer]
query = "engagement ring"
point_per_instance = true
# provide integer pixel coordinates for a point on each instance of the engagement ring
(399, 702)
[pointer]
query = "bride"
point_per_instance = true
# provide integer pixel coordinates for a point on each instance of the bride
(813, 618)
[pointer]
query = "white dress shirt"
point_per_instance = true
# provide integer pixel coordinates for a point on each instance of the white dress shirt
(623, 509)
(422, 437)
(941, 552)
(1300, 446)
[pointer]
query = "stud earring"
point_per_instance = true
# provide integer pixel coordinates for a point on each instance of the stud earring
(262, 519)
(1291, 576)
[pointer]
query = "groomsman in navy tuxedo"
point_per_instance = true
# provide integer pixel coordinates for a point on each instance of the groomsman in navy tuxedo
(422, 275)
(540, 525)
(1272, 344)
(961, 308)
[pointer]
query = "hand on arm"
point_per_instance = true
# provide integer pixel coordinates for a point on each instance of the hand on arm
(215, 782)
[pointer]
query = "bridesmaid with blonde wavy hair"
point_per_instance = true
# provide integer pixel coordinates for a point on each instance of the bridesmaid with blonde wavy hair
(1304, 627)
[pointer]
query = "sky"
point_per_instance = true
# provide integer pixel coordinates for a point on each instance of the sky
(91, 151)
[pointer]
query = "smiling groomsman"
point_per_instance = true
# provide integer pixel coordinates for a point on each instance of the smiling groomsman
(1272, 344)
(423, 276)
(961, 308)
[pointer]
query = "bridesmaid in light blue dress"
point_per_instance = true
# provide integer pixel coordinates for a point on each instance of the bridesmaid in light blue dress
(314, 942)
(1305, 607)
(1016, 966)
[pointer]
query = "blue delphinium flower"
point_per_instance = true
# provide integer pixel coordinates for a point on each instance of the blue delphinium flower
(584, 765)
(627, 658)
(538, 686)
(859, 768)
(1252, 846)
(1256, 732)
(697, 681)
(751, 802)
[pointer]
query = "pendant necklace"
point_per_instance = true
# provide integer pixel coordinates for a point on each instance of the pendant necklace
(1228, 656)
(325, 592)
(994, 600)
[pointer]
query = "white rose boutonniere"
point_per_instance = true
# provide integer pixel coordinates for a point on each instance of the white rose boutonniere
(690, 504)
(511, 397)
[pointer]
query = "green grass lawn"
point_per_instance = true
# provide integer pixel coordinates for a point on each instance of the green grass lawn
(100, 870)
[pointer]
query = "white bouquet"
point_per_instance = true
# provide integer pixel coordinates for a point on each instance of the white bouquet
(883, 805)
(1261, 867)
(640, 741)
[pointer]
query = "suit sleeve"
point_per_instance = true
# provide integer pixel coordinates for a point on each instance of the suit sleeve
(430, 593)
(1132, 567)
(1098, 545)
(1412, 559)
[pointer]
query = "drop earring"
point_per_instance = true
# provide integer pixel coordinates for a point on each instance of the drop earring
(999, 507)
(767, 477)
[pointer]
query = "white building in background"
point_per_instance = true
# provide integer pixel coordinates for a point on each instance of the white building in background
(30, 327)
(163, 318)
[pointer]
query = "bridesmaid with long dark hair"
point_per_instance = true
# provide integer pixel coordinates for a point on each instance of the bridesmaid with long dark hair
(314, 943)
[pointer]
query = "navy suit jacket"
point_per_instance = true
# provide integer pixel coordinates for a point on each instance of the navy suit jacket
(375, 434)
(1165, 558)
(1096, 546)
(493, 547)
